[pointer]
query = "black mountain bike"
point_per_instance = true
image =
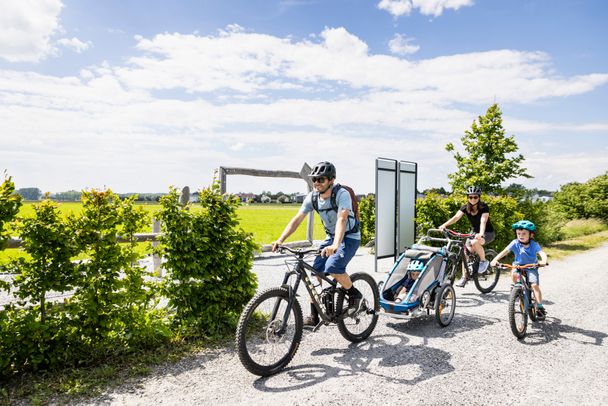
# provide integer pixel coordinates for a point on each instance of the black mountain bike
(271, 325)
(522, 302)
(467, 258)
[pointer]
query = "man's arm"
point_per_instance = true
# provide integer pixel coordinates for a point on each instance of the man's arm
(339, 235)
(292, 226)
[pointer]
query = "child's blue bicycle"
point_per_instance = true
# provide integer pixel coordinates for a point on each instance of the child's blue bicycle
(522, 302)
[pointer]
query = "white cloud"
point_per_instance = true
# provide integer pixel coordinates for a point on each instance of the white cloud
(26, 28)
(402, 45)
(75, 44)
(260, 101)
(398, 8)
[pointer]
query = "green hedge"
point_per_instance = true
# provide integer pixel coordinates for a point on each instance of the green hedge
(113, 306)
(433, 210)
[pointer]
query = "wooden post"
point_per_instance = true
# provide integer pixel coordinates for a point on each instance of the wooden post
(155, 257)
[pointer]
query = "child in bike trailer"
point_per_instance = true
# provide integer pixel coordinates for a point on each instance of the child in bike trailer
(343, 236)
(413, 271)
(526, 251)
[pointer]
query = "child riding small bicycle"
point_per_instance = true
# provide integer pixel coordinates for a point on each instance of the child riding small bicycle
(526, 251)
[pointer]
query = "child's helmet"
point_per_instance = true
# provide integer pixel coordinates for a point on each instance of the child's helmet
(524, 225)
(326, 169)
(474, 190)
(415, 265)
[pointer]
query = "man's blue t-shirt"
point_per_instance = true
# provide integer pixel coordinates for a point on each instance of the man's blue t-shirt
(330, 217)
(524, 255)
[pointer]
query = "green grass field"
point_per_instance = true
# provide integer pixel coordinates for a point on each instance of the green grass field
(264, 221)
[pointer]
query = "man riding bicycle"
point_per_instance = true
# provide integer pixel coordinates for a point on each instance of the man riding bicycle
(343, 237)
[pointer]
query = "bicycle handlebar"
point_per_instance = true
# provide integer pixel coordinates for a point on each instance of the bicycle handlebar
(283, 248)
(457, 234)
(527, 266)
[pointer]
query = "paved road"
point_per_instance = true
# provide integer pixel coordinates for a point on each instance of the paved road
(475, 360)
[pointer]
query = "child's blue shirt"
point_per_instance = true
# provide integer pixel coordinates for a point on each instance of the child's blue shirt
(524, 255)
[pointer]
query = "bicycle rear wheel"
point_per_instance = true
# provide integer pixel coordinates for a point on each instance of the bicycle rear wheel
(264, 345)
(518, 319)
(358, 327)
(487, 281)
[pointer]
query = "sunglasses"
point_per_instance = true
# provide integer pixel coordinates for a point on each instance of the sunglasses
(473, 197)
(320, 179)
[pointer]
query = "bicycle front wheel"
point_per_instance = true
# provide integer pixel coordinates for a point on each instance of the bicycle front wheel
(361, 325)
(267, 336)
(518, 319)
(487, 281)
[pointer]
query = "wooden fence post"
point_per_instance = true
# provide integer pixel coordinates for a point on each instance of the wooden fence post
(155, 257)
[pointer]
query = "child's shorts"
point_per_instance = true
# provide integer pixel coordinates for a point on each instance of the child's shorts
(533, 276)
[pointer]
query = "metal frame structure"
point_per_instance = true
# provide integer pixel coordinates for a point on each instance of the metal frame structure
(396, 185)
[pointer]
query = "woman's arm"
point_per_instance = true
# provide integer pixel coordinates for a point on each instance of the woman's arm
(453, 220)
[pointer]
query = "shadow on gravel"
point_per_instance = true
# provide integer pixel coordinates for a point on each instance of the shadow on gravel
(552, 329)
(477, 299)
(374, 356)
(427, 327)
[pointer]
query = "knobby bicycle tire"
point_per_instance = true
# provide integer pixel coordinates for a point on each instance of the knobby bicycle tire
(516, 299)
(359, 279)
(263, 332)
(491, 275)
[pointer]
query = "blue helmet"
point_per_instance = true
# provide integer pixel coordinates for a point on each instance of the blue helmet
(524, 225)
(415, 265)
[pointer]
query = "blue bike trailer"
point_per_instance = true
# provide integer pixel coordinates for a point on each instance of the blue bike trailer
(431, 277)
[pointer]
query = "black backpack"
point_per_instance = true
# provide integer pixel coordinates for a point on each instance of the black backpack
(334, 206)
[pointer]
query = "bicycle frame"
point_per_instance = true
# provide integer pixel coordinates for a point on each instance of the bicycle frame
(526, 289)
(301, 275)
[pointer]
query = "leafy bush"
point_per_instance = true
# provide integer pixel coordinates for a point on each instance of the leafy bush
(10, 202)
(434, 210)
(367, 214)
(109, 311)
(582, 201)
(209, 260)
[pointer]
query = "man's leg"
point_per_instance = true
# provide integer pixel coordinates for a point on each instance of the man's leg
(336, 267)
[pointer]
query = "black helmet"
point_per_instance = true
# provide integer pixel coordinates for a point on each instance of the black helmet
(326, 169)
(474, 190)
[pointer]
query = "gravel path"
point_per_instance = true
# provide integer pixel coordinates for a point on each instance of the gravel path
(475, 360)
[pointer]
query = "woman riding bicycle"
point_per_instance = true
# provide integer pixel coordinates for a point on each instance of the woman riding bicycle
(478, 214)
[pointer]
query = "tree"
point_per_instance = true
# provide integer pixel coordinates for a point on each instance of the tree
(484, 162)
(587, 200)
(30, 193)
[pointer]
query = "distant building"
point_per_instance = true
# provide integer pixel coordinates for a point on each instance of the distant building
(246, 197)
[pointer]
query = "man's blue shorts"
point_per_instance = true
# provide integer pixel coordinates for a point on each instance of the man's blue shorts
(336, 263)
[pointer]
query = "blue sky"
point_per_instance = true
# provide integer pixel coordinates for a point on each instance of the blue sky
(137, 96)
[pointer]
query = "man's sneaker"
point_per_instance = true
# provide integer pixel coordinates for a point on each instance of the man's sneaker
(463, 281)
(354, 301)
(483, 267)
(311, 321)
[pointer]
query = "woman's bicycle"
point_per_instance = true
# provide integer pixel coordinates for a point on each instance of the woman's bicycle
(522, 302)
(467, 258)
(271, 325)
